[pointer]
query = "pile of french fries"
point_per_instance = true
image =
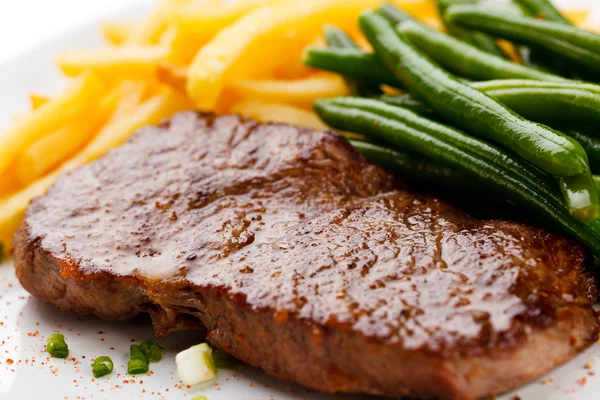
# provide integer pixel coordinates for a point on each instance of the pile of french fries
(238, 56)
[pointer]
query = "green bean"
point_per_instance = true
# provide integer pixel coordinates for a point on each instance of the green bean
(399, 133)
(394, 14)
(589, 138)
(597, 182)
(56, 346)
(466, 60)
(351, 62)
(102, 366)
(467, 107)
(543, 9)
(478, 39)
(580, 47)
(336, 37)
(485, 151)
(582, 196)
(414, 167)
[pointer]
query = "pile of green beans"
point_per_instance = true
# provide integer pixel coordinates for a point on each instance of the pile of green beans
(578, 47)
(500, 145)
(480, 40)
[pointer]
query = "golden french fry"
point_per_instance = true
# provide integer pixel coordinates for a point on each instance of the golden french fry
(116, 33)
(9, 182)
(13, 206)
(172, 75)
(149, 31)
(577, 17)
(48, 118)
(206, 20)
(152, 111)
(264, 34)
(50, 151)
(37, 100)
(131, 94)
(300, 92)
(125, 62)
(273, 112)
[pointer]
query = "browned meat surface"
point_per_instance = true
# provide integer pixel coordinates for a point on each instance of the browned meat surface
(299, 257)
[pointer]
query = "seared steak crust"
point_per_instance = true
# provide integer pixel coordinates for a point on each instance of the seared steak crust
(298, 256)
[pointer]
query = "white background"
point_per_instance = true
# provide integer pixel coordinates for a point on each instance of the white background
(25, 23)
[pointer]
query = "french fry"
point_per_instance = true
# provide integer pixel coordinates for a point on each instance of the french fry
(116, 33)
(172, 75)
(149, 31)
(264, 34)
(50, 151)
(12, 207)
(152, 111)
(37, 100)
(48, 118)
(577, 17)
(131, 94)
(206, 20)
(9, 182)
(301, 92)
(273, 112)
(125, 62)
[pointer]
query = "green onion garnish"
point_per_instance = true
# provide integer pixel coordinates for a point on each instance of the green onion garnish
(102, 366)
(138, 363)
(57, 346)
(200, 398)
(152, 350)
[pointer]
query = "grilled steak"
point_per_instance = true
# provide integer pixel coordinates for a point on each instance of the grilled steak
(298, 256)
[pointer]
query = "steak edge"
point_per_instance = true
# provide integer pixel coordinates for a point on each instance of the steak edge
(299, 257)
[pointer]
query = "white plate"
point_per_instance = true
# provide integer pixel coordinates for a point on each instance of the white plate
(27, 373)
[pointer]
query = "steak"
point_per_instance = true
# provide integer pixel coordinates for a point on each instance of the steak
(297, 256)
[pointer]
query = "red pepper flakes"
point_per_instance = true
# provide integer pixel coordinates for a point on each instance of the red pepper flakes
(581, 382)
(100, 332)
(10, 361)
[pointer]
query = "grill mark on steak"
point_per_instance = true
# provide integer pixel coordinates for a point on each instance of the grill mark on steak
(298, 256)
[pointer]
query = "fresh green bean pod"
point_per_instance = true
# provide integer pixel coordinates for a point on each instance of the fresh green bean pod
(351, 62)
(589, 138)
(543, 9)
(485, 151)
(466, 60)
(478, 39)
(469, 108)
(551, 105)
(497, 178)
(597, 182)
(580, 47)
(414, 167)
(582, 196)
(394, 14)
(335, 37)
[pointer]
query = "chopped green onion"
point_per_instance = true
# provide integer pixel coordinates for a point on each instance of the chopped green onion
(102, 366)
(223, 360)
(195, 365)
(200, 398)
(152, 350)
(57, 346)
(138, 363)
